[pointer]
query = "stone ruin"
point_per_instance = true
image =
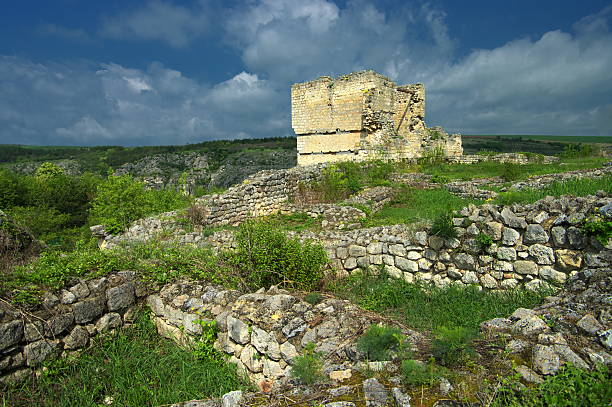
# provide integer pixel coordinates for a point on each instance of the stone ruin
(364, 115)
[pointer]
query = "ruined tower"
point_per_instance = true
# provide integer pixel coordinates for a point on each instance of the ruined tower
(363, 115)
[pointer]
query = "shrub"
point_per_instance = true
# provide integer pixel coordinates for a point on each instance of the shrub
(511, 172)
(378, 341)
(268, 258)
(443, 226)
(120, 200)
(415, 373)
(440, 179)
(197, 214)
(432, 157)
(308, 368)
(452, 345)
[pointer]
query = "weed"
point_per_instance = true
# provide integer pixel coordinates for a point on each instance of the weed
(415, 373)
(484, 240)
(313, 298)
(203, 348)
(443, 226)
(377, 342)
(452, 345)
(595, 225)
(308, 368)
(511, 172)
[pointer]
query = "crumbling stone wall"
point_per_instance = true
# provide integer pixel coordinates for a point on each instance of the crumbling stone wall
(65, 323)
(363, 115)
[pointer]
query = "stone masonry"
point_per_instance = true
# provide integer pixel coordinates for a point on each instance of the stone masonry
(363, 115)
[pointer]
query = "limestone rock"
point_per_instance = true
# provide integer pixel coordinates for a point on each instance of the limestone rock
(37, 352)
(10, 334)
(88, 309)
(374, 393)
(238, 330)
(545, 359)
(121, 296)
(535, 234)
(77, 338)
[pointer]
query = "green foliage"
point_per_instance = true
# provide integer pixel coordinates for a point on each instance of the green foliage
(484, 240)
(154, 261)
(267, 257)
(577, 150)
(135, 366)
(443, 226)
(440, 179)
(431, 307)
(203, 348)
(511, 172)
(120, 200)
(415, 373)
(313, 298)
(48, 170)
(570, 387)
(452, 345)
(308, 367)
(600, 228)
(378, 341)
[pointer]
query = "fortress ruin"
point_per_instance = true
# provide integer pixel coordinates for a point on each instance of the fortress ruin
(363, 115)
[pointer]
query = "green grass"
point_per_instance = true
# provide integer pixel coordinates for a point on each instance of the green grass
(411, 205)
(576, 187)
(492, 169)
(432, 308)
(135, 366)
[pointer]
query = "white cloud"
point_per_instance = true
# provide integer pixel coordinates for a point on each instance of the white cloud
(111, 104)
(560, 83)
(159, 20)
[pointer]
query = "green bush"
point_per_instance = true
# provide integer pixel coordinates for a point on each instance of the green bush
(415, 373)
(452, 345)
(378, 341)
(440, 179)
(570, 387)
(120, 200)
(511, 172)
(267, 257)
(443, 226)
(578, 150)
(308, 368)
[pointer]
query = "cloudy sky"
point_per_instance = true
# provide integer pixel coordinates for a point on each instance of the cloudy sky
(128, 72)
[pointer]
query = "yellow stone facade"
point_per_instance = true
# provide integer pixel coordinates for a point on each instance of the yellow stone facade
(360, 116)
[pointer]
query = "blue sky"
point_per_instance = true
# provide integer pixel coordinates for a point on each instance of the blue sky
(76, 72)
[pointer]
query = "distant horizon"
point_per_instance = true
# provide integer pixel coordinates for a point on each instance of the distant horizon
(272, 138)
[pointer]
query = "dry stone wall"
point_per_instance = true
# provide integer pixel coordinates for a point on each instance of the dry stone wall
(65, 323)
(532, 246)
(360, 116)
(263, 332)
